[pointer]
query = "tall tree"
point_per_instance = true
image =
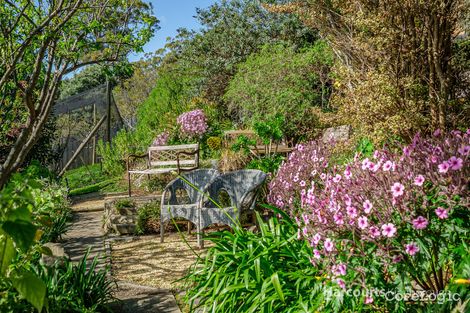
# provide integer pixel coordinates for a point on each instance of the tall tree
(44, 40)
(410, 42)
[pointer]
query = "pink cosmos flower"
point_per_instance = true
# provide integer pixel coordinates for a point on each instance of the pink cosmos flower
(352, 212)
(302, 183)
(389, 230)
(397, 189)
(419, 180)
(420, 222)
(442, 213)
(340, 269)
(397, 258)
(434, 159)
(316, 254)
(374, 232)
(337, 178)
(347, 200)
(443, 167)
(455, 163)
(338, 218)
(305, 231)
(362, 222)
(341, 283)
(368, 300)
(347, 173)
(464, 150)
(406, 151)
(411, 248)
(316, 238)
(365, 163)
(328, 245)
(323, 176)
(367, 205)
(387, 166)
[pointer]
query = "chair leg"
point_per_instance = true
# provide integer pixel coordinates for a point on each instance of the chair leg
(162, 228)
(189, 228)
(200, 241)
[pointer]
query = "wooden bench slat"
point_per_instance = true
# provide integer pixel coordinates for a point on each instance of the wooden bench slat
(176, 147)
(166, 163)
(154, 171)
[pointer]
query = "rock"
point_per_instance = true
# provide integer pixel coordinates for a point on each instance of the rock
(340, 133)
(124, 229)
(58, 254)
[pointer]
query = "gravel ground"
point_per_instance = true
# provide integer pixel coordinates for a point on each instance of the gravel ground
(148, 262)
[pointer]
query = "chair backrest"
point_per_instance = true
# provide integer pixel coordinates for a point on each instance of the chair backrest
(239, 185)
(166, 156)
(192, 182)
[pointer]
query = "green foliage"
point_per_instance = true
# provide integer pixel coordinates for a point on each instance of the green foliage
(365, 147)
(214, 143)
(95, 75)
(81, 287)
(231, 31)
(267, 271)
(124, 203)
(281, 80)
(267, 164)
(17, 235)
(77, 287)
(44, 44)
(148, 218)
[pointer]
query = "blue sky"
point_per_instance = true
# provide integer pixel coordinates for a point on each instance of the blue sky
(173, 14)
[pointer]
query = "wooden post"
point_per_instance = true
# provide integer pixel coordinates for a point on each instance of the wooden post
(94, 137)
(108, 112)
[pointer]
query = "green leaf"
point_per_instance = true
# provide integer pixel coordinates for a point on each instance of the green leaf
(277, 286)
(21, 232)
(7, 252)
(31, 288)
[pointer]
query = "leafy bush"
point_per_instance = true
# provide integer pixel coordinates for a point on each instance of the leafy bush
(32, 210)
(70, 287)
(268, 271)
(266, 164)
(148, 219)
(124, 203)
(408, 230)
(281, 80)
(77, 287)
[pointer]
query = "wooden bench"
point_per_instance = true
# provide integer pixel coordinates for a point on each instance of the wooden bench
(165, 159)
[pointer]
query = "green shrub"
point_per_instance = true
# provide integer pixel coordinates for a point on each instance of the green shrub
(77, 287)
(124, 203)
(268, 164)
(148, 220)
(281, 80)
(70, 287)
(268, 271)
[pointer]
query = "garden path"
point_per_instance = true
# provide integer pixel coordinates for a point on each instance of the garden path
(85, 233)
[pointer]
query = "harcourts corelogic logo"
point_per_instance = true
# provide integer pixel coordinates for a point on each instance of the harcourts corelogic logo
(394, 295)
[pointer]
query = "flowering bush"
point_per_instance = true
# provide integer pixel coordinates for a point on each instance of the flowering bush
(161, 139)
(395, 220)
(193, 123)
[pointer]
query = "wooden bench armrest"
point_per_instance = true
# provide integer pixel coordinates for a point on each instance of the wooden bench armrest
(195, 152)
(134, 156)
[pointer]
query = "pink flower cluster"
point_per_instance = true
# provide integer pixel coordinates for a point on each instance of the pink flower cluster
(193, 123)
(383, 200)
(161, 139)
